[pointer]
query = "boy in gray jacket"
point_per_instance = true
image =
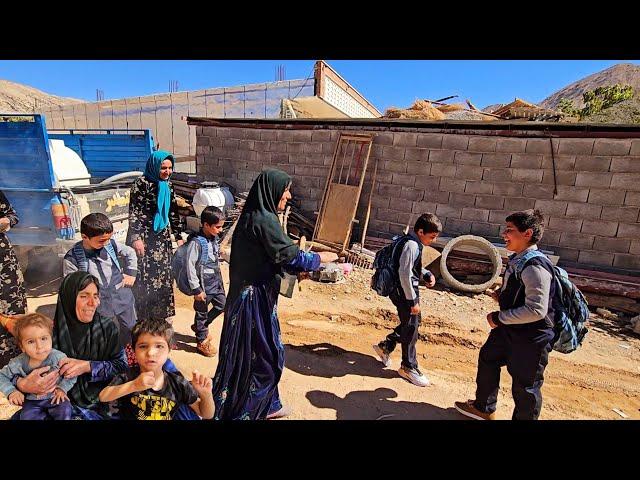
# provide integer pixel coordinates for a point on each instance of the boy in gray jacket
(98, 254)
(406, 297)
(205, 278)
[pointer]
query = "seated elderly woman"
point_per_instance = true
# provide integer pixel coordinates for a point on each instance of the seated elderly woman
(91, 343)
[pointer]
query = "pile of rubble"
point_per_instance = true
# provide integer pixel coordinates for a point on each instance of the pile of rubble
(437, 110)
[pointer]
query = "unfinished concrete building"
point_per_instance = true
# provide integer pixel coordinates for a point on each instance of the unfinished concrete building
(325, 95)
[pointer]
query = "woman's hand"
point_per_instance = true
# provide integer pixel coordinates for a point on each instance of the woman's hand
(128, 280)
(72, 367)
(5, 225)
(180, 242)
(138, 246)
(37, 383)
(328, 257)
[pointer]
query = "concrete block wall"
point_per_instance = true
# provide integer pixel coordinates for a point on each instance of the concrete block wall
(472, 181)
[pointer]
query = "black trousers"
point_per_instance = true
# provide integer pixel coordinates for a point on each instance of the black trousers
(525, 353)
(406, 333)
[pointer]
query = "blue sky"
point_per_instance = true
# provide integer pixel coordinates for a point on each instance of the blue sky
(383, 82)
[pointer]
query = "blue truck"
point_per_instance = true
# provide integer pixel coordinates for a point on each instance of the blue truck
(53, 178)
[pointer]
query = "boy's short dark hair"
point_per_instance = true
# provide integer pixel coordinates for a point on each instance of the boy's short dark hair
(29, 320)
(160, 328)
(211, 216)
(528, 219)
(428, 223)
(96, 224)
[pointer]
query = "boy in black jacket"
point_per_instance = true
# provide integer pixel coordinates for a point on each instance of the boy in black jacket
(522, 331)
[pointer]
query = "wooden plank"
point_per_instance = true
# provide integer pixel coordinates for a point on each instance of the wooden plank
(621, 304)
(604, 287)
(326, 190)
(355, 205)
(628, 279)
(320, 230)
(366, 220)
(456, 264)
(342, 202)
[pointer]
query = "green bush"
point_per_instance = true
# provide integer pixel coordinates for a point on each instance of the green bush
(595, 101)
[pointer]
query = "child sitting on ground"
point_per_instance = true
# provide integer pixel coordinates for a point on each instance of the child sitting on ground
(33, 335)
(147, 392)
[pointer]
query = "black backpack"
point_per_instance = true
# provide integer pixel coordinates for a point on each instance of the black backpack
(385, 279)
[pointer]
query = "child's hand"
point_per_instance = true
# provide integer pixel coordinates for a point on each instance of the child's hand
(201, 383)
(201, 297)
(59, 396)
(492, 324)
(495, 294)
(16, 397)
(145, 380)
(128, 280)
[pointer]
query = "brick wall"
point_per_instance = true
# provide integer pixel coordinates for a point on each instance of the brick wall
(472, 181)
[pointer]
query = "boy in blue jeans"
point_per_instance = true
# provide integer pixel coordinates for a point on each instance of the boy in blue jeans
(205, 278)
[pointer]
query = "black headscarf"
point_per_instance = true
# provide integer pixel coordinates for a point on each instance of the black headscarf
(94, 341)
(258, 239)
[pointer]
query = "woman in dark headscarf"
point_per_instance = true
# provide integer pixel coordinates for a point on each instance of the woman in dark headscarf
(91, 343)
(245, 385)
(13, 300)
(153, 215)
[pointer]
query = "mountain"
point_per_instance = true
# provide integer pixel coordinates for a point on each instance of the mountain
(622, 73)
(15, 97)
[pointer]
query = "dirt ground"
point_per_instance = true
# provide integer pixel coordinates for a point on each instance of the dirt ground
(331, 371)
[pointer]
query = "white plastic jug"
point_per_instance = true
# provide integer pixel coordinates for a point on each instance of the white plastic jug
(219, 197)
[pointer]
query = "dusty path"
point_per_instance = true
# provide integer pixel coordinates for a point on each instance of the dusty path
(331, 372)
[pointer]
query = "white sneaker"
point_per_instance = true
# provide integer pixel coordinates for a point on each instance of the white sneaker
(414, 376)
(384, 356)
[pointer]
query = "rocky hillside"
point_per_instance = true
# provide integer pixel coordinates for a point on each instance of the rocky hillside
(623, 73)
(15, 97)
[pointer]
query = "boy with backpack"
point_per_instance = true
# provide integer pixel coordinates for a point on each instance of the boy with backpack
(97, 254)
(539, 310)
(403, 269)
(196, 269)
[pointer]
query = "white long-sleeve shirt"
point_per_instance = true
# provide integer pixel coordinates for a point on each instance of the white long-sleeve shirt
(537, 285)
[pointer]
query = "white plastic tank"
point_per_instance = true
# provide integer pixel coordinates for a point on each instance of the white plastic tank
(68, 168)
(212, 195)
